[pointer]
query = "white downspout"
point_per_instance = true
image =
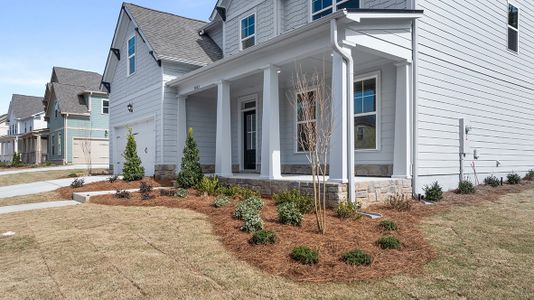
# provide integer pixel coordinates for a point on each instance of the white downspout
(350, 108)
(65, 142)
(415, 109)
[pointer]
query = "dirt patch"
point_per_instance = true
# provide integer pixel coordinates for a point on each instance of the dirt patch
(66, 192)
(342, 236)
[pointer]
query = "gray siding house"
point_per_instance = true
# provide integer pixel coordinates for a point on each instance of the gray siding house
(420, 90)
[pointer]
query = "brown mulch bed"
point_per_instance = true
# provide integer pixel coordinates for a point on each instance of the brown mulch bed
(107, 186)
(342, 236)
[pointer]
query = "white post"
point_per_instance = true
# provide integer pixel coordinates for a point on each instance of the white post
(223, 141)
(270, 138)
(338, 142)
(182, 129)
(38, 149)
(402, 153)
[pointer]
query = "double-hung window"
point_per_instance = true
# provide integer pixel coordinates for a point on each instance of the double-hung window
(321, 8)
(306, 110)
(105, 107)
(365, 113)
(513, 28)
(131, 55)
(248, 32)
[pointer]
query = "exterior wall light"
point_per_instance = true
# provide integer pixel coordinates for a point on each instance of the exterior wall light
(130, 107)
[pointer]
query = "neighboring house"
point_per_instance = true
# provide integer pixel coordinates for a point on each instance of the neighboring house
(27, 133)
(413, 83)
(4, 130)
(77, 111)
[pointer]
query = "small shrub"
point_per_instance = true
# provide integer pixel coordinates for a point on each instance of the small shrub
(181, 193)
(305, 255)
(190, 172)
(513, 178)
(357, 258)
(208, 185)
(220, 201)
(492, 181)
(167, 193)
(145, 189)
(389, 242)
(433, 192)
(16, 161)
(77, 183)
(246, 193)
(229, 191)
(303, 202)
(465, 187)
(132, 169)
(122, 194)
(73, 175)
(247, 207)
(290, 214)
(345, 210)
(530, 175)
(399, 202)
(263, 237)
(387, 225)
(253, 223)
(113, 178)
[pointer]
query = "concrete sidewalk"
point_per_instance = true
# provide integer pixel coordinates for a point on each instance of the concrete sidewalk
(43, 186)
(54, 168)
(34, 206)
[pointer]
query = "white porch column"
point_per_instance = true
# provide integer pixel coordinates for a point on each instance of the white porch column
(270, 138)
(223, 141)
(38, 150)
(338, 142)
(181, 128)
(402, 153)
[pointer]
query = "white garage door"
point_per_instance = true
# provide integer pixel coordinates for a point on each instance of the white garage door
(145, 138)
(90, 151)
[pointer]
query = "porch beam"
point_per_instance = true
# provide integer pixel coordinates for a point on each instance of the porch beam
(338, 142)
(402, 153)
(181, 128)
(270, 146)
(223, 142)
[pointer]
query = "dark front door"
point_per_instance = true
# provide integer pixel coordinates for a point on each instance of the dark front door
(249, 119)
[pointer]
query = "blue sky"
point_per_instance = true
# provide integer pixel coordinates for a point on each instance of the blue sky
(37, 35)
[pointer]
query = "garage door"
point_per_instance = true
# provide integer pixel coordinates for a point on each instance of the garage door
(85, 151)
(145, 138)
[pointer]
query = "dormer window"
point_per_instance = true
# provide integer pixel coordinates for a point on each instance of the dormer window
(321, 8)
(131, 56)
(248, 32)
(513, 28)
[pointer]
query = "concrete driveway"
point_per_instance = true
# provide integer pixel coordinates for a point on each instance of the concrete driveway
(54, 168)
(43, 186)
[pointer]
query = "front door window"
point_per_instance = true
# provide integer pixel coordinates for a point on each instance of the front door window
(250, 134)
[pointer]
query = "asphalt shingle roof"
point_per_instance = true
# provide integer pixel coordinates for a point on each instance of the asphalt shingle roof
(175, 37)
(89, 80)
(25, 106)
(69, 99)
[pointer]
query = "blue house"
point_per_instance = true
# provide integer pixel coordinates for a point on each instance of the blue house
(77, 111)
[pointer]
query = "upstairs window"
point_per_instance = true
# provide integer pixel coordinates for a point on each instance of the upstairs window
(248, 32)
(513, 28)
(321, 8)
(105, 107)
(365, 113)
(131, 55)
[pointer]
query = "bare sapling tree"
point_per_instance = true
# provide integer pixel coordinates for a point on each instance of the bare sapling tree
(314, 131)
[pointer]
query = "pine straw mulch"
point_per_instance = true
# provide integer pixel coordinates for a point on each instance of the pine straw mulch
(66, 192)
(342, 236)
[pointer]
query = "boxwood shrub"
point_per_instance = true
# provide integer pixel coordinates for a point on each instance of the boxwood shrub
(513, 178)
(263, 237)
(387, 225)
(389, 242)
(492, 181)
(433, 192)
(357, 258)
(465, 187)
(305, 255)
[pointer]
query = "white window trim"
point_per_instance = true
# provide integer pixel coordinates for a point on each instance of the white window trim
(241, 39)
(102, 107)
(130, 56)
(297, 122)
(240, 140)
(378, 76)
(511, 27)
(335, 3)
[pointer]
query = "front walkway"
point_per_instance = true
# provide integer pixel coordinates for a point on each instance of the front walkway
(34, 206)
(43, 186)
(59, 168)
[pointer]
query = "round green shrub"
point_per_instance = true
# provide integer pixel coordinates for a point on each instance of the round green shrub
(389, 242)
(357, 258)
(530, 175)
(492, 181)
(263, 237)
(252, 223)
(181, 193)
(250, 206)
(345, 210)
(513, 178)
(305, 255)
(465, 187)
(290, 214)
(220, 201)
(433, 192)
(303, 202)
(388, 225)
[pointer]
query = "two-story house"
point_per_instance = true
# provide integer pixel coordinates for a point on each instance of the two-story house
(77, 112)
(4, 130)
(27, 132)
(420, 90)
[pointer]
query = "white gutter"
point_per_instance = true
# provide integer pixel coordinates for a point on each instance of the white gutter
(350, 106)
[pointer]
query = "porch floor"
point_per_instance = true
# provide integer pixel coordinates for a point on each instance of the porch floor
(304, 178)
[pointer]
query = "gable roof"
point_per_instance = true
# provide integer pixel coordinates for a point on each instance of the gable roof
(87, 79)
(25, 106)
(3, 118)
(173, 37)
